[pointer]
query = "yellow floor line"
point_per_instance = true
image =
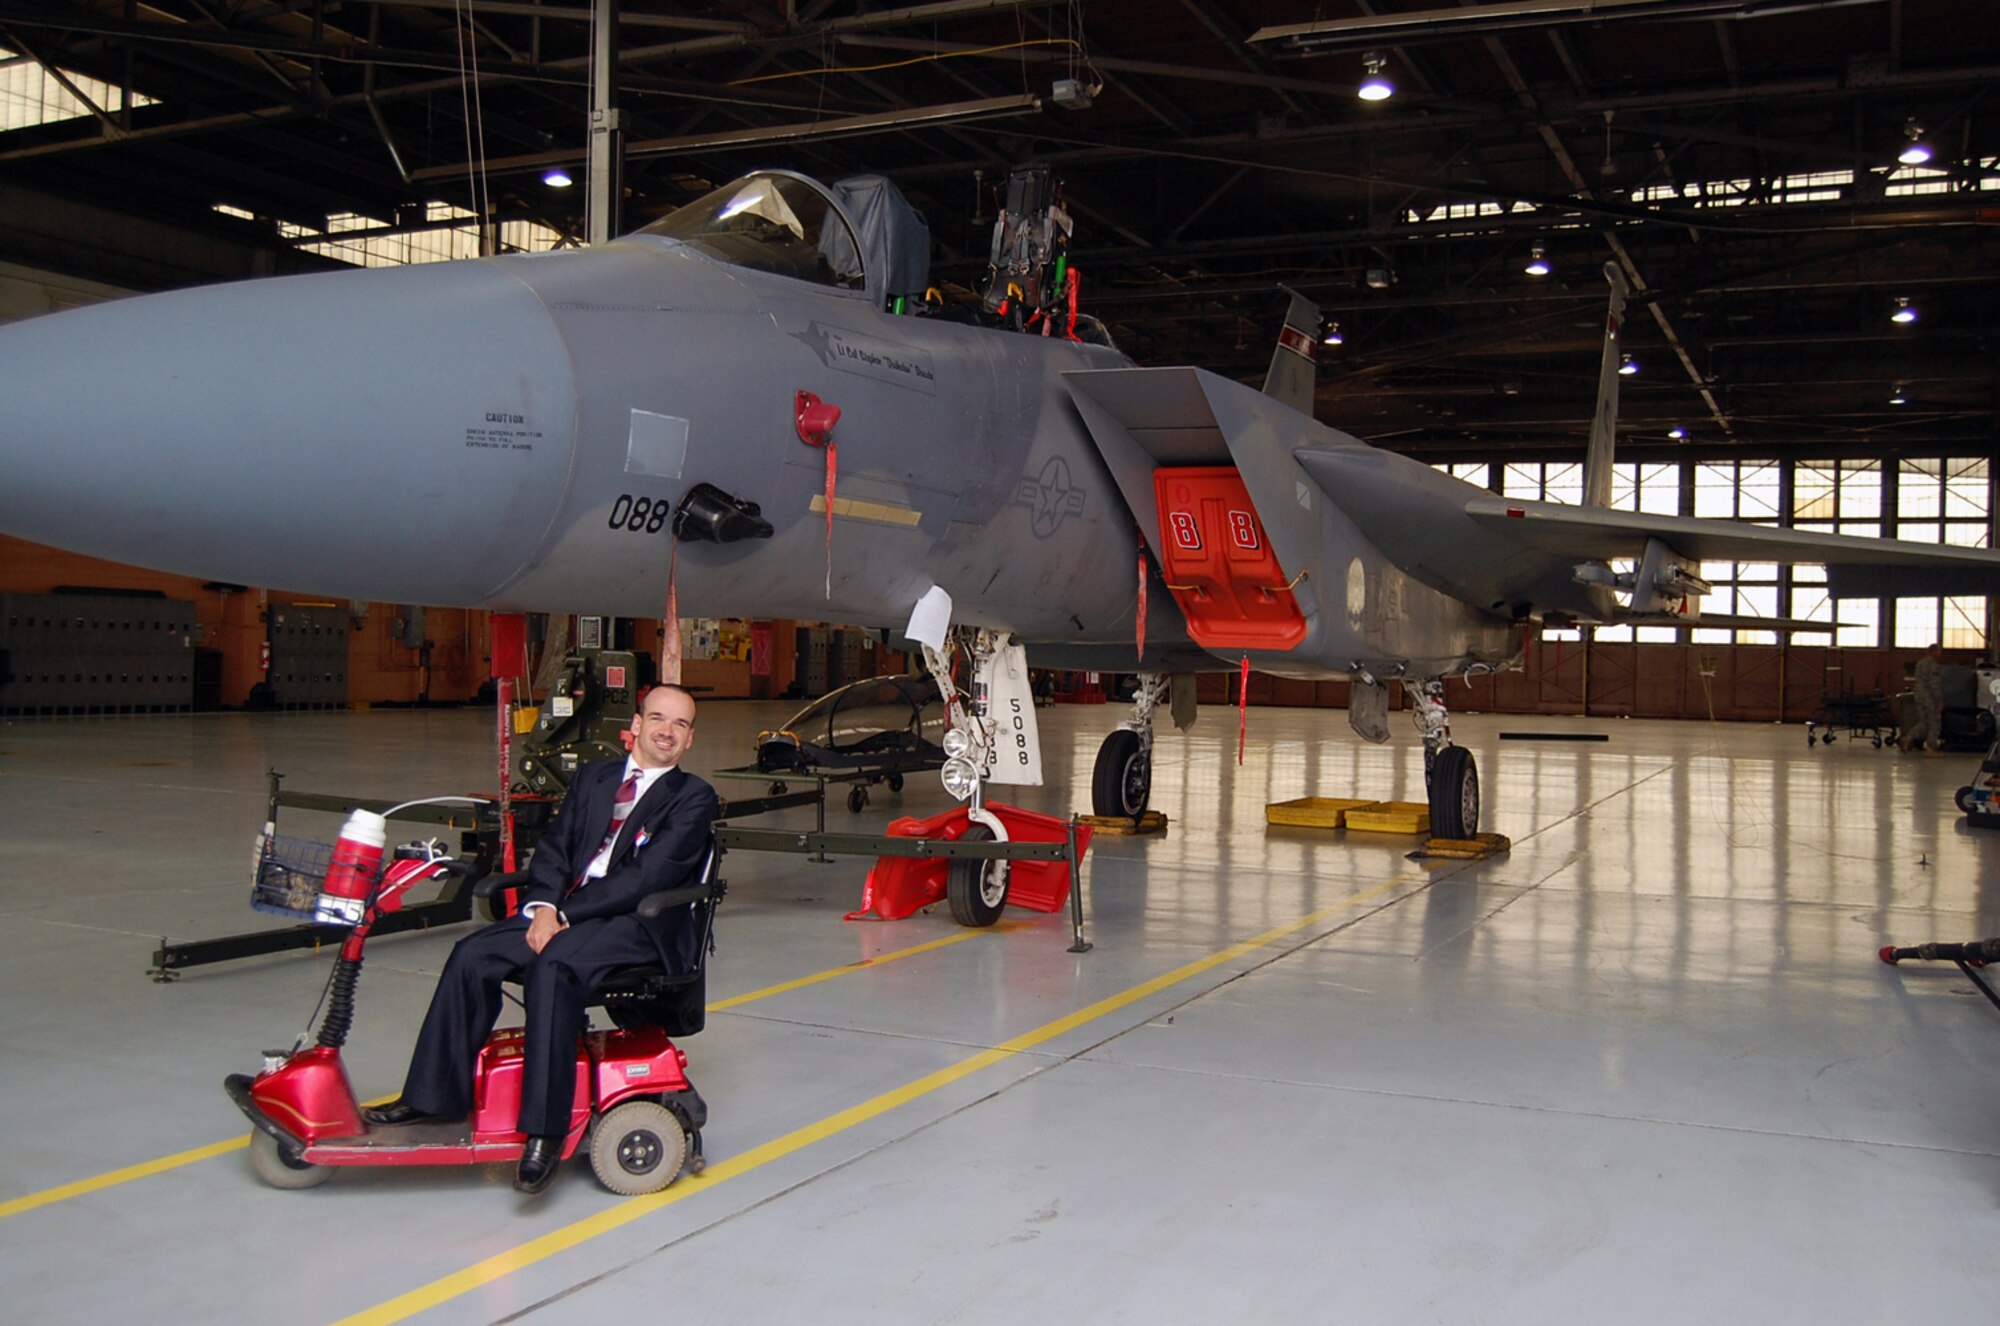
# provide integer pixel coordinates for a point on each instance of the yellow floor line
(802, 982)
(569, 1236)
(146, 1169)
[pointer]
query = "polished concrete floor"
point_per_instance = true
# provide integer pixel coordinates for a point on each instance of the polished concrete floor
(1647, 1064)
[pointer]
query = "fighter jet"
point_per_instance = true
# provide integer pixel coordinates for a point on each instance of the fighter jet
(760, 390)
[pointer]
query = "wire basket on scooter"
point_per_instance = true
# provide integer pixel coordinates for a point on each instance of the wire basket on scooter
(290, 874)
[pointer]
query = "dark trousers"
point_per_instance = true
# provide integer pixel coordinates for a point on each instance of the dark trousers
(556, 986)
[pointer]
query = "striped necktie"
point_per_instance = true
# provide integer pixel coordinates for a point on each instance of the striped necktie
(621, 810)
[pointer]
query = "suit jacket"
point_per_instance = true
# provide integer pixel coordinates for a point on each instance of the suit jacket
(661, 846)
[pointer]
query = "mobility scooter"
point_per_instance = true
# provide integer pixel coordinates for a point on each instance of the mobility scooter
(635, 1108)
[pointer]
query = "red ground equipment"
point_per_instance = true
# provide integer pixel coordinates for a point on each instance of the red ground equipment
(901, 885)
(635, 1108)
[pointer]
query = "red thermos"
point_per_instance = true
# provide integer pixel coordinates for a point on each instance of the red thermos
(357, 858)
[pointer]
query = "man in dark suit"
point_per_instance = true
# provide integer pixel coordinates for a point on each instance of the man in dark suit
(626, 829)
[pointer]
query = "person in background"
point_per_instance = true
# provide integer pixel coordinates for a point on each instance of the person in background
(1928, 681)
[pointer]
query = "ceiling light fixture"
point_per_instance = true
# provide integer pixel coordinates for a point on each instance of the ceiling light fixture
(1904, 313)
(1915, 152)
(1897, 397)
(557, 179)
(1627, 366)
(1538, 261)
(1375, 87)
(1333, 336)
(1677, 432)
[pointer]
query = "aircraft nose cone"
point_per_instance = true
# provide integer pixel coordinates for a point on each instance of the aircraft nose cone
(400, 435)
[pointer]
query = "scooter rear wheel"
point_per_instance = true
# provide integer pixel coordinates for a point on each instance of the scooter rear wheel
(638, 1148)
(275, 1166)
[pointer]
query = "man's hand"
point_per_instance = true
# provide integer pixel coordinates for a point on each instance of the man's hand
(545, 926)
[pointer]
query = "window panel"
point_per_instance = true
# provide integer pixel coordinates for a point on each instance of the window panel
(1964, 623)
(1916, 623)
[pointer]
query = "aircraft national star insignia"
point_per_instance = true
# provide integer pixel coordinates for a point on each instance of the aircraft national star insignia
(1050, 496)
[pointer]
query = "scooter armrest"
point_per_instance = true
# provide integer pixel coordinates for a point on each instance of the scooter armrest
(500, 883)
(653, 904)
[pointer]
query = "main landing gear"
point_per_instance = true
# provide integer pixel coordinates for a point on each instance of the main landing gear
(1450, 776)
(1122, 782)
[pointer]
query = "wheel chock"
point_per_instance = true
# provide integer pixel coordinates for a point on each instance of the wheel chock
(1465, 849)
(1391, 817)
(1151, 821)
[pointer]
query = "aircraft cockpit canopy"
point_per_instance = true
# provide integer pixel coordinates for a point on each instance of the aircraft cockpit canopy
(787, 225)
(774, 223)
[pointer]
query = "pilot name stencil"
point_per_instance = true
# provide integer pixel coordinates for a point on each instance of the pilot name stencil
(869, 357)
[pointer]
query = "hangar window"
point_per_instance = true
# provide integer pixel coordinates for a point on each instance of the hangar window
(1654, 489)
(1836, 497)
(1746, 490)
(1476, 472)
(366, 242)
(30, 94)
(1554, 481)
(769, 223)
(1943, 500)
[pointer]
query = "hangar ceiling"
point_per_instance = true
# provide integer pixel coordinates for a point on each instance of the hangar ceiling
(1739, 158)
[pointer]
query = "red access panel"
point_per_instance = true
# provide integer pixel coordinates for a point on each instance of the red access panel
(1218, 563)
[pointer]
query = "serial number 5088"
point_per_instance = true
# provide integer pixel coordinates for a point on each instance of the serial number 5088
(641, 515)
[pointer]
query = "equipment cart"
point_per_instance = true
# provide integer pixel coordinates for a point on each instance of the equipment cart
(1858, 715)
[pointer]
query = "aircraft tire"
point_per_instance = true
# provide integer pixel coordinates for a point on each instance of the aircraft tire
(1122, 782)
(1963, 799)
(281, 1170)
(1454, 794)
(976, 889)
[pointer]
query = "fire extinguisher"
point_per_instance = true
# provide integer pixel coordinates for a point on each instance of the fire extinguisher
(357, 858)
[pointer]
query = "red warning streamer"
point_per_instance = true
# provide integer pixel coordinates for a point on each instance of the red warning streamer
(1140, 617)
(670, 644)
(1242, 708)
(815, 421)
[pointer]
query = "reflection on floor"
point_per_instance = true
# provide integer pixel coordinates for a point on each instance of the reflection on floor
(1647, 1062)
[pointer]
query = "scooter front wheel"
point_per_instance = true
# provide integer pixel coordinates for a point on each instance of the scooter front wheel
(637, 1148)
(276, 1165)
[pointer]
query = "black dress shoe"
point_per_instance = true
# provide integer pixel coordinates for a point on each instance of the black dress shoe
(538, 1164)
(397, 1112)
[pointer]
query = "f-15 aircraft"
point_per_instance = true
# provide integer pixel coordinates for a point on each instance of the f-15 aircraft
(761, 375)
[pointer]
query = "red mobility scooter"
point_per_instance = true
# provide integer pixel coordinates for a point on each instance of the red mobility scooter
(635, 1108)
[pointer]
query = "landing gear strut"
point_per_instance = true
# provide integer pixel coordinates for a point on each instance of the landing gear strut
(1122, 782)
(1450, 776)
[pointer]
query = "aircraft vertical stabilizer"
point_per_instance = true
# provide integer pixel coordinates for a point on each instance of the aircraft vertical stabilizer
(1295, 363)
(1604, 424)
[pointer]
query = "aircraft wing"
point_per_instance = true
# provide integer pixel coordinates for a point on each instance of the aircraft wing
(1856, 567)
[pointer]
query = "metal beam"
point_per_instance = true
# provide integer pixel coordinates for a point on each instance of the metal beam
(1425, 26)
(957, 112)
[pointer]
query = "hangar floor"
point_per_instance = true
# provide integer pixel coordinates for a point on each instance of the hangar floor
(1647, 1063)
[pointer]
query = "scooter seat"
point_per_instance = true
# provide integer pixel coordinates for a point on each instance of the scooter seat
(651, 996)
